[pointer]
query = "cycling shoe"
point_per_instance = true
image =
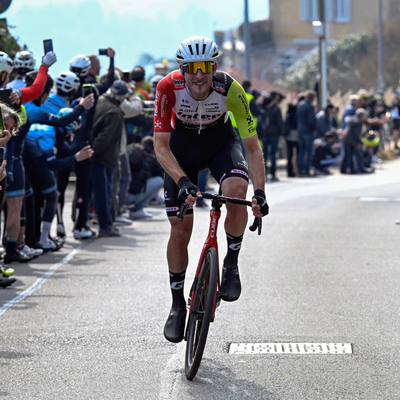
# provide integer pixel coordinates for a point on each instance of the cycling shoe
(175, 326)
(230, 288)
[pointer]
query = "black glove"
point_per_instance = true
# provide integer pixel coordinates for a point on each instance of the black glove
(259, 195)
(186, 187)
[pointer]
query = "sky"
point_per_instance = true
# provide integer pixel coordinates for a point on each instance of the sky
(131, 27)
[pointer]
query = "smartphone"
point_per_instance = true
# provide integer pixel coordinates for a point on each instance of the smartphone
(102, 52)
(126, 75)
(5, 96)
(47, 45)
(87, 89)
(2, 153)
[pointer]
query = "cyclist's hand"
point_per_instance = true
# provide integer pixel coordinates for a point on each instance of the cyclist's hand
(110, 52)
(186, 190)
(259, 204)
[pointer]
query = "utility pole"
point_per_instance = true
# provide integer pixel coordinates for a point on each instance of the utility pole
(322, 43)
(381, 82)
(247, 53)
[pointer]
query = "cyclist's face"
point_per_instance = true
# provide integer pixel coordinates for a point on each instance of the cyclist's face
(199, 84)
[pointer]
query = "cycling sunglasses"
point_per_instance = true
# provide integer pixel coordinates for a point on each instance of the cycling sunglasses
(205, 66)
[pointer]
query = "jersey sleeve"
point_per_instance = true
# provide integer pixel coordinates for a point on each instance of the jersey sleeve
(165, 101)
(33, 92)
(236, 102)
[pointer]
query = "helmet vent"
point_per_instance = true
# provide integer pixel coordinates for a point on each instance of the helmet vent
(204, 48)
(190, 48)
(197, 49)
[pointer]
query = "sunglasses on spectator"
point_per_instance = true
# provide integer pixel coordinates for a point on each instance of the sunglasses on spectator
(192, 67)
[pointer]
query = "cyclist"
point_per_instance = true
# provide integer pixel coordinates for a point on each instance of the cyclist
(193, 132)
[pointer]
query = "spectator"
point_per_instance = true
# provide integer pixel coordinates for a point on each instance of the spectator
(292, 137)
(23, 63)
(147, 177)
(132, 106)
(137, 75)
(107, 131)
(325, 121)
(306, 124)
(352, 142)
(326, 152)
(350, 109)
(272, 127)
(395, 113)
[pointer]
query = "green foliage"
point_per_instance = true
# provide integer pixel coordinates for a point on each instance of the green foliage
(346, 60)
(8, 43)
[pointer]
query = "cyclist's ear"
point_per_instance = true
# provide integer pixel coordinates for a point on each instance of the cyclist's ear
(215, 68)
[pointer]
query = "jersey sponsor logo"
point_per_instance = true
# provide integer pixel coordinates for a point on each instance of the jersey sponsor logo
(239, 171)
(171, 209)
(179, 83)
(163, 101)
(185, 105)
(196, 117)
(212, 109)
(157, 124)
(219, 87)
(244, 163)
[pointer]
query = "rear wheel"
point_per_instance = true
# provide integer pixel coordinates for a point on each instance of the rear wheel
(202, 301)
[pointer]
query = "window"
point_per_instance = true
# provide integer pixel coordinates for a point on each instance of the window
(342, 10)
(335, 10)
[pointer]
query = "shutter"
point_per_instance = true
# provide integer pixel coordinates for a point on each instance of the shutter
(303, 10)
(328, 10)
(314, 10)
(346, 10)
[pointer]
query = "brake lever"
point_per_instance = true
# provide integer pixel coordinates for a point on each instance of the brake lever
(256, 224)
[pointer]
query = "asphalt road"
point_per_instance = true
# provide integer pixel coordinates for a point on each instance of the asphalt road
(87, 322)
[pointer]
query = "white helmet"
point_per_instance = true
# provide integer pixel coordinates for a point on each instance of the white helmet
(80, 65)
(197, 48)
(6, 63)
(67, 81)
(24, 61)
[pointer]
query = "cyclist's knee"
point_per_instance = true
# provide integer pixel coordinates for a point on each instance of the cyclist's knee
(234, 187)
(181, 230)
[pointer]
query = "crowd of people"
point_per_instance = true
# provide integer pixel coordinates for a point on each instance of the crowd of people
(101, 129)
(314, 141)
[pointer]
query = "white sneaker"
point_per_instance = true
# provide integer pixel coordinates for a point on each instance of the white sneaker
(31, 252)
(140, 214)
(120, 220)
(82, 234)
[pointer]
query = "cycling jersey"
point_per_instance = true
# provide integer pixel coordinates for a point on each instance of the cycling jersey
(16, 84)
(173, 103)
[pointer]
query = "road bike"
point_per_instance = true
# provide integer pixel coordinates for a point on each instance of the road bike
(204, 293)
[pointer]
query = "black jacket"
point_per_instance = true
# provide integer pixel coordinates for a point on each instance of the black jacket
(144, 165)
(107, 130)
(272, 121)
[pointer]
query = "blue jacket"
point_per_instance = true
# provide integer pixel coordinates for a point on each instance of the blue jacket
(306, 121)
(41, 138)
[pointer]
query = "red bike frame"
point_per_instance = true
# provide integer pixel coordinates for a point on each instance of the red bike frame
(211, 241)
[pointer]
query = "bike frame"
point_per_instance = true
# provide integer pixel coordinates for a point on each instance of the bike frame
(211, 241)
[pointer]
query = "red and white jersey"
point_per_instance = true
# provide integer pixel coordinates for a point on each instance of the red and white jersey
(173, 102)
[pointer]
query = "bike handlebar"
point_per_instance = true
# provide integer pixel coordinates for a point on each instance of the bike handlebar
(257, 223)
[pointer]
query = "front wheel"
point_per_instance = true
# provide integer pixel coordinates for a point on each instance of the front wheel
(203, 299)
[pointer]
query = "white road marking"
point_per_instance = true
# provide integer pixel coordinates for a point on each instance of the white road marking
(172, 373)
(290, 348)
(39, 282)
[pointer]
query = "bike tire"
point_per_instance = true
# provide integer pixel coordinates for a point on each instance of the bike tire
(202, 312)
